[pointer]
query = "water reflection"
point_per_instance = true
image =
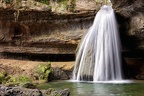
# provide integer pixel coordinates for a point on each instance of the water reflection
(98, 89)
(89, 89)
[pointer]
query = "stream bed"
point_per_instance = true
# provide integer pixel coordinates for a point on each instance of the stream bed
(122, 88)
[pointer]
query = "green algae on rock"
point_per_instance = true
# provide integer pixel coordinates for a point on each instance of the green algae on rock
(42, 71)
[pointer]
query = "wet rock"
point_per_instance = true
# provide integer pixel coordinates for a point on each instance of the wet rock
(58, 74)
(140, 76)
(135, 68)
(52, 92)
(18, 91)
(29, 85)
(64, 92)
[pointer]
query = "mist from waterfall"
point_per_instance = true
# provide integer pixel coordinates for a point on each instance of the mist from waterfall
(99, 54)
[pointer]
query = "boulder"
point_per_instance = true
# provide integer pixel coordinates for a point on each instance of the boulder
(58, 74)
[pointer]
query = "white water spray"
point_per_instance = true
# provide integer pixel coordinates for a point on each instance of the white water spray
(99, 56)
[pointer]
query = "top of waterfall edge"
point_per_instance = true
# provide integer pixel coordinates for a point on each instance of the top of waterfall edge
(106, 7)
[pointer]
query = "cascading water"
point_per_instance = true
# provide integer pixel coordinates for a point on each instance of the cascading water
(99, 56)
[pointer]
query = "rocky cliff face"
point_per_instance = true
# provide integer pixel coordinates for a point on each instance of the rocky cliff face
(130, 16)
(43, 31)
(35, 28)
(32, 26)
(38, 32)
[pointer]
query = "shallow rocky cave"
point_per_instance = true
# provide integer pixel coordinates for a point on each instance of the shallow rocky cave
(39, 57)
(40, 34)
(37, 34)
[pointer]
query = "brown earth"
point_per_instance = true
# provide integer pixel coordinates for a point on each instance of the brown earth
(28, 69)
(135, 66)
(28, 65)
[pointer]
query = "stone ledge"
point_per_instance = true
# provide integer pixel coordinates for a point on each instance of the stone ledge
(48, 50)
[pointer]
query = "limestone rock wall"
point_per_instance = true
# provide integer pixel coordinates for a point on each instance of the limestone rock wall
(130, 17)
(132, 14)
(42, 31)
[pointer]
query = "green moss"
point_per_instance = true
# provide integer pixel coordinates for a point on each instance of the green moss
(12, 79)
(58, 95)
(3, 73)
(61, 1)
(43, 1)
(62, 5)
(42, 71)
(3, 77)
(24, 79)
(8, 1)
(71, 5)
(20, 79)
(104, 1)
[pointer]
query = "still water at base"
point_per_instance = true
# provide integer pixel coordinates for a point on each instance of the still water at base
(124, 88)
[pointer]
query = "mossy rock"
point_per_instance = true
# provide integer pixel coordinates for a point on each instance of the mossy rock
(71, 5)
(43, 1)
(2, 74)
(18, 79)
(3, 77)
(42, 71)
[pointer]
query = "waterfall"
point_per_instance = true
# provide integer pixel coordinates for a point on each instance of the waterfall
(99, 54)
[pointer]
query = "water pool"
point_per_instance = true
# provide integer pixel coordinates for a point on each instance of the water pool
(135, 88)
